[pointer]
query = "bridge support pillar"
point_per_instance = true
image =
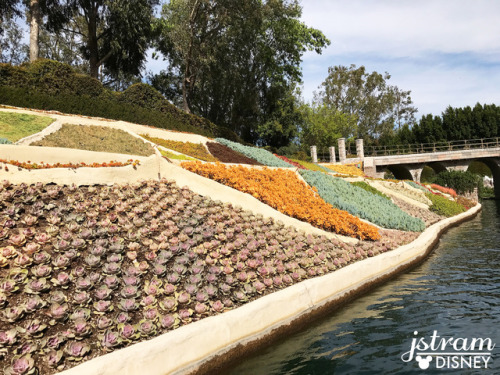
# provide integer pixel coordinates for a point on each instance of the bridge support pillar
(333, 159)
(314, 154)
(360, 149)
(342, 155)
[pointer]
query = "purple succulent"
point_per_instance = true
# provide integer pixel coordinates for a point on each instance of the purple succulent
(101, 307)
(8, 338)
(112, 268)
(23, 260)
(62, 279)
(36, 286)
(34, 303)
(58, 312)
(129, 291)
(148, 300)
(122, 317)
(26, 348)
(17, 239)
(83, 283)
(81, 298)
(103, 322)
(62, 245)
(80, 313)
(35, 328)
(128, 304)
(151, 314)
(110, 340)
(92, 260)
(112, 281)
(8, 286)
(128, 332)
(81, 328)
(54, 358)
(78, 271)
(31, 248)
(169, 289)
(42, 270)
(200, 308)
(146, 328)
(61, 262)
(160, 269)
(21, 365)
(57, 296)
(103, 292)
(173, 278)
(169, 321)
(76, 350)
(185, 315)
(183, 297)
(168, 304)
(218, 306)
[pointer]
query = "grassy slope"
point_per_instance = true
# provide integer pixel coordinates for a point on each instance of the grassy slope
(15, 126)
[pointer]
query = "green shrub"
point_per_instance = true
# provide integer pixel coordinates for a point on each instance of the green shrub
(443, 206)
(51, 85)
(363, 185)
(5, 141)
(416, 186)
(262, 156)
(361, 203)
(461, 182)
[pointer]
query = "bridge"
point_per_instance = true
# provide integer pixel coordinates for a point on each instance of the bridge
(408, 161)
(439, 156)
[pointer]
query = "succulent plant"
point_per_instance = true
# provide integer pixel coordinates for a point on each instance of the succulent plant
(128, 304)
(76, 351)
(81, 328)
(8, 338)
(22, 365)
(169, 321)
(103, 322)
(128, 332)
(110, 340)
(102, 307)
(54, 358)
(34, 328)
(57, 312)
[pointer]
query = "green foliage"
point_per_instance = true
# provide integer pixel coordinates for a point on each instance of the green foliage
(5, 141)
(461, 182)
(368, 96)
(15, 126)
(479, 168)
(235, 62)
(481, 121)
(51, 85)
(361, 203)
(324, 125)
(416, 186)
(443, 206)
(262, 156)
(363, 185)
(312, 166)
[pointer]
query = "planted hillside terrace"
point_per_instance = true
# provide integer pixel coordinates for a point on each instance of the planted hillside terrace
(87, 270)
(227, 155)
(96, 138)
(195, 150)
(284, 191)
(262, 156)
(359, 202)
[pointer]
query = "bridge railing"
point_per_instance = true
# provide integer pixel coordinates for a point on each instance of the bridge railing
(421, 148)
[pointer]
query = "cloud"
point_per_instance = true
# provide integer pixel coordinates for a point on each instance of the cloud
(447, 52)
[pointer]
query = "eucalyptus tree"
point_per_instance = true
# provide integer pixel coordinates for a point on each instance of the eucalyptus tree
(235, 63)
(377, 105)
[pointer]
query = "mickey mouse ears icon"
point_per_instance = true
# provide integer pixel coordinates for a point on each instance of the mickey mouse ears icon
(423, 362)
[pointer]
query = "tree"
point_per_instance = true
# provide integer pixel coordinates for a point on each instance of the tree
(114, 34)
(234, 62)
(377, 105)
(323, 126)
(12, 50)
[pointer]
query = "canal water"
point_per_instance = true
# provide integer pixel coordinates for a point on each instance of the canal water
(454, 294)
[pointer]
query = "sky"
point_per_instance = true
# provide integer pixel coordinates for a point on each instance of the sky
(447, 52)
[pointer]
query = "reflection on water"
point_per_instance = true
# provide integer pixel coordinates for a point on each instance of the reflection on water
(455, 291)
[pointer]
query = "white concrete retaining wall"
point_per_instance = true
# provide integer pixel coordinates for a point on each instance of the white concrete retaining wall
(185, 349)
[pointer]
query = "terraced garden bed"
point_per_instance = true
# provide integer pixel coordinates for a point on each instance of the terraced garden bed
(15, 126)
(227, 155)
(85, 271)
(359, 202)
(285, 192)
(195, 150)
(96, 138)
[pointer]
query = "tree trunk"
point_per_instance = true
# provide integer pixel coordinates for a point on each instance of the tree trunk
(35, 19)
(93, 42)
